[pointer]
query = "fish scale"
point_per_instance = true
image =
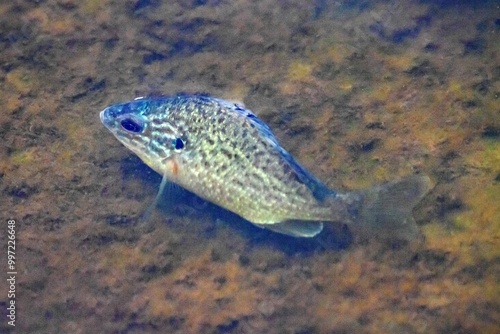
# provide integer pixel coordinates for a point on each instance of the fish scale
(224, 153)
(234, 168)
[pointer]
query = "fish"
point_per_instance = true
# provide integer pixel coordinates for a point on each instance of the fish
(222, 152)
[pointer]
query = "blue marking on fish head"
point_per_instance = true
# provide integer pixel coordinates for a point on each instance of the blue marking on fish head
(142, 125)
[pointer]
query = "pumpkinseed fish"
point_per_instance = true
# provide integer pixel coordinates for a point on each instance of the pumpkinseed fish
(224, 153)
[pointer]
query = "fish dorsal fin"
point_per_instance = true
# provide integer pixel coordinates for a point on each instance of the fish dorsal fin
(319, 190)
(247, 114)
(295, 228)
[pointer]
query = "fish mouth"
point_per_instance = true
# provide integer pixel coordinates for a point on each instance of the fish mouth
(105, 119)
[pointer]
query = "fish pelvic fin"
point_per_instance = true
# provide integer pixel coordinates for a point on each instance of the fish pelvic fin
(164, 183)
(386, 209)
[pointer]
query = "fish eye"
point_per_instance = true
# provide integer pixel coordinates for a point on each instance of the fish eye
(178, 143)
(131, 125)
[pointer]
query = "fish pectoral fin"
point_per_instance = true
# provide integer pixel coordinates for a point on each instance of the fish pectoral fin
(295, 228)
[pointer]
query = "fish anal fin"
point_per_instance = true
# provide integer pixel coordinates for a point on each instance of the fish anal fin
(295, 228)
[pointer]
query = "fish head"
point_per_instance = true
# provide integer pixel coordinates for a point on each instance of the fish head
(142, 125)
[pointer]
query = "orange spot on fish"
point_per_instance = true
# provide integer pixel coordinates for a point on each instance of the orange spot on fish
(173, 167)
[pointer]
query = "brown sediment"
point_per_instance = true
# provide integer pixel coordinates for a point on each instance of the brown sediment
(359, 95)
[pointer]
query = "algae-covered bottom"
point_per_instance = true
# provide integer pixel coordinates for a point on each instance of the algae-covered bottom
(358, 92)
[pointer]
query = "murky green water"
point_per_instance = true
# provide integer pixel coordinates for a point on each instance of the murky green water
(360, 92)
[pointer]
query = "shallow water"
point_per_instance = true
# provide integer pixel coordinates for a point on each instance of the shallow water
(360, 92)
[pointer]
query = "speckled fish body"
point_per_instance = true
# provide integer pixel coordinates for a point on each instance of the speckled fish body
(225, 154)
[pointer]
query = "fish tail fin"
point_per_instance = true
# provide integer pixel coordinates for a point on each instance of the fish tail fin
(386, 209)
